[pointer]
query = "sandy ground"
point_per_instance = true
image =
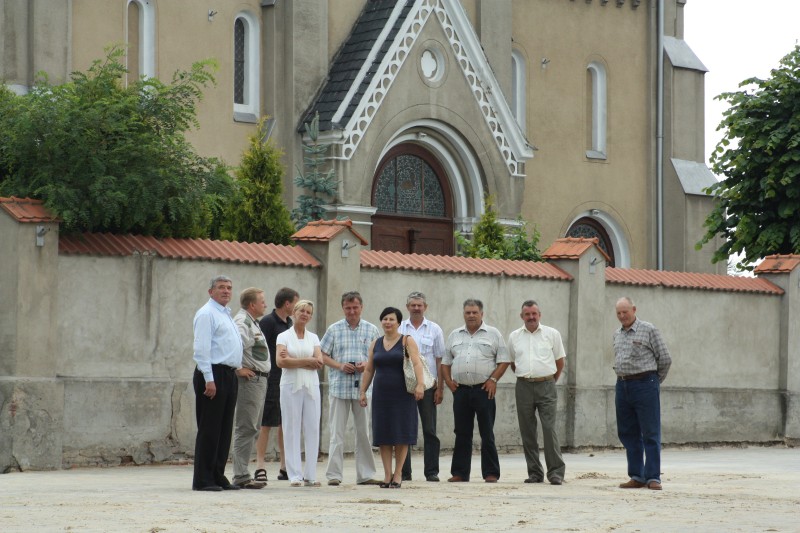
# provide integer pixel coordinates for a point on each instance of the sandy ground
(723, 489)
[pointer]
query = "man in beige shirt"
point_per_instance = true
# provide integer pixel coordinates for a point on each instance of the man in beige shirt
(537, 355)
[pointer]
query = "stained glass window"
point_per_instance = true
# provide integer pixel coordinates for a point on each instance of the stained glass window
(409, 186)
(588, 228)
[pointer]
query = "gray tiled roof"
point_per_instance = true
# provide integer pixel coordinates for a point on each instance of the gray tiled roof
(351, 57)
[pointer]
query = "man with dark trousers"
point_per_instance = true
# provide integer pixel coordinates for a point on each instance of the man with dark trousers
(275, 323)
(218, 354)
(475, 358)
(430, 340)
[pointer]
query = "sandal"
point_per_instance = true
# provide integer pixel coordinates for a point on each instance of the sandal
(308, 483)
(260, 475)
(385, 485)
(282, 475)
(395, 484)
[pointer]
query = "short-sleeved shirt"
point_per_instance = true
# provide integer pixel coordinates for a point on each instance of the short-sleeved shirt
(474, 357)
(535, 354)
(216, 339)
(639, 349)
(429, 338)
(344, 345)
(255, 354)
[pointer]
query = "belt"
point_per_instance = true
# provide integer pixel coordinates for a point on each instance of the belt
(477, 385)
(640, 375)
(539, 379)
(259, 373)
(225, 368)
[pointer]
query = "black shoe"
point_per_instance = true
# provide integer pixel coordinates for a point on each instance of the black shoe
(209, 488)
(406, 477)
(555, 480)
(230, 486)
(432, 477)
(282, 475)
(534, 480)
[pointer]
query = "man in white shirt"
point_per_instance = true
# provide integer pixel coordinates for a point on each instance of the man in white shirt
(537, 355)
(430, 340)
(218, 354)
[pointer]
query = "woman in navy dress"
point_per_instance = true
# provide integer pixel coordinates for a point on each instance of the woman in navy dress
(394, 410)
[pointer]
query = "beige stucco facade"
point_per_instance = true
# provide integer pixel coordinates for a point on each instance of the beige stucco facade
(542, 170)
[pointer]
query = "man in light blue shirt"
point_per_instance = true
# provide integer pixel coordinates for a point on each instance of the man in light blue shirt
(430, 339)
(345, 349)
(218, 354)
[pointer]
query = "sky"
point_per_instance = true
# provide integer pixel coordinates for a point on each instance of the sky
(736, 40)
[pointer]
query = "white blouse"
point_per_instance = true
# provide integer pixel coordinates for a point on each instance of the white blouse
(299, 349)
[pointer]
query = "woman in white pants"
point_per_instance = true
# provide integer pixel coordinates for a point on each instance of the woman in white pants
(300, 357)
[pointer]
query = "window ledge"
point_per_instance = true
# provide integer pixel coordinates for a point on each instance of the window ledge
(250, 118)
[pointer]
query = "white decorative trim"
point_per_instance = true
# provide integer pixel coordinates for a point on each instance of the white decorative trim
(519, 87)
(507, 134)
(367, 64)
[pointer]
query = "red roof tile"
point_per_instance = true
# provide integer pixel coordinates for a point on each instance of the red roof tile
(192, 249)
(27, 210)
(691, 280)
(325, 230)
(571, 248)
(461, 265)
(773, 264)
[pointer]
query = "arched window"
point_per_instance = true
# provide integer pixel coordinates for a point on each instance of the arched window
(414, 208)
(245, 68)
(141, 39)
(589, 228)
(596, 110)
(519, 92)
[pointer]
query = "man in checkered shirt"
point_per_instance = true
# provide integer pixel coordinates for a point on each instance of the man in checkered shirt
(641, 362)
(345, 348)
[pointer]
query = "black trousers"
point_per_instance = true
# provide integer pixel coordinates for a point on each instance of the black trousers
(471, 402)
(214, 426)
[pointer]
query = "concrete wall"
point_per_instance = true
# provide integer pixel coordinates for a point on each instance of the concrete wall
(96, 356)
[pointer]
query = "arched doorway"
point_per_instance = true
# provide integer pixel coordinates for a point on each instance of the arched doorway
(589, 228)
(414, 203)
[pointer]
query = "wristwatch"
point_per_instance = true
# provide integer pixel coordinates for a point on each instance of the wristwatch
(493, 378)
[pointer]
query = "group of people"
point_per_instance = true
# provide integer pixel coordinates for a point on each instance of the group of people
(256, 372)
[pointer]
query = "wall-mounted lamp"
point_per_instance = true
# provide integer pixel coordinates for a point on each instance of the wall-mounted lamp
(212, 14)
(545, 62)
(592, 264)
(41, 231)
(346, 245)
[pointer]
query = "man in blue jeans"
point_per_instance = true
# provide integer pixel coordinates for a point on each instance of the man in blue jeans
(641, 362)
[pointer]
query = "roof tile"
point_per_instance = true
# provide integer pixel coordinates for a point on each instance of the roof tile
(462, 265)
(691, 280)
(27, 210)
(572, 248)
(773, 264)
(326, 230)
(106, 244)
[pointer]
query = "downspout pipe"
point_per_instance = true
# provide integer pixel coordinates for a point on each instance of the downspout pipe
(660, 137)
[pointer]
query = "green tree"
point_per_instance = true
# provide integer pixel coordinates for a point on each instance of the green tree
(757, 210)
(257, 212)
(321, 184)
(490, 240)
(106, 157)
